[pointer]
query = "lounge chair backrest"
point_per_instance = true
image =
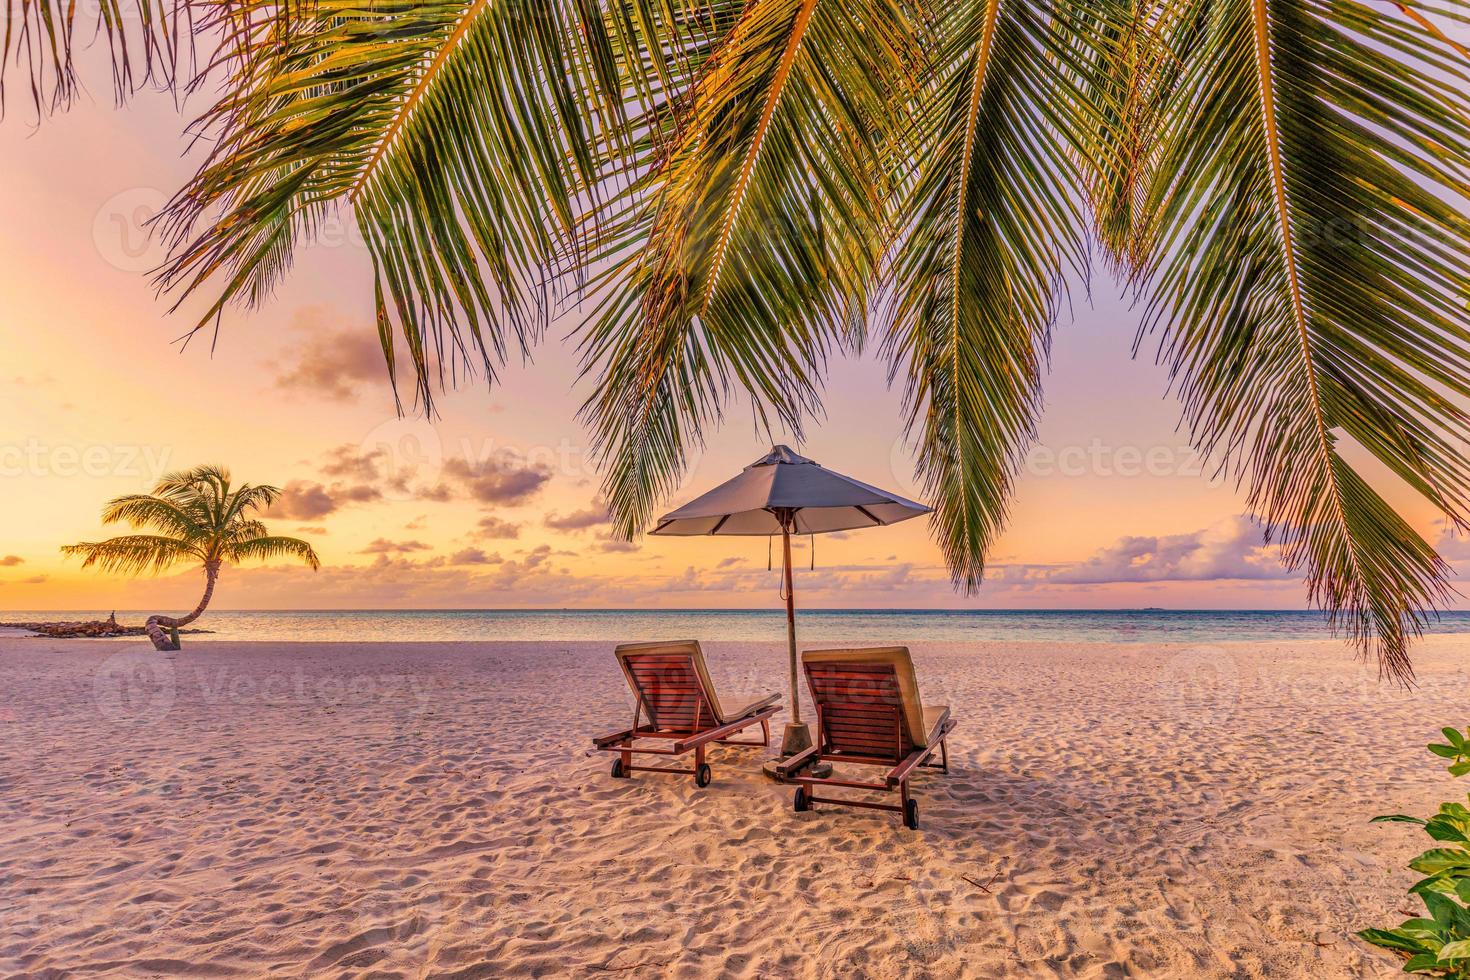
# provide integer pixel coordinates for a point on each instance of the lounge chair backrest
(867, 701)
(672, 684)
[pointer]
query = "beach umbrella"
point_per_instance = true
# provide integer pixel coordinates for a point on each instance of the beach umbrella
(785, 493)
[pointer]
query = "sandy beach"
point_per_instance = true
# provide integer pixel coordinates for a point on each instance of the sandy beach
(434, 810)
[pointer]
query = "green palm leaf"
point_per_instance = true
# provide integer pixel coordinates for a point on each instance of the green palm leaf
(736, 261)
(991, 230)
(1310, 286)
(200, 516)
(460, 134)
(269, 547)
(1131, 55)
(135, 554)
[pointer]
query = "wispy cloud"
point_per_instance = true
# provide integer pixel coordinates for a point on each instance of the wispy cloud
(503, 479)
(383, 546)
(1231, 549)
(307, 500)
(332, 362)
(495, 527)
(1453, 545)
(593, 515)
(474, 556)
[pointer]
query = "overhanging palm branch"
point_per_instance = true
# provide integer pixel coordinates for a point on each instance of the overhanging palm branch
(1286, 179)
(743, 253)
(1310, 284)
(990, 229)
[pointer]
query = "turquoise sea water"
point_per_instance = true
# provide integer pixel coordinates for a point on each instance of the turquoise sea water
(814, 626)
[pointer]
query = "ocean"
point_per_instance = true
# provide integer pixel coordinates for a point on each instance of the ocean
(813, 626)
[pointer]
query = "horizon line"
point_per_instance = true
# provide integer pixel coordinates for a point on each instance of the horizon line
(710, 609)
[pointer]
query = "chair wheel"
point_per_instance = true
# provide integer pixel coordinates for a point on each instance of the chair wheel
(799, 802)
(617, 770)
(702, 774)
(911, 815)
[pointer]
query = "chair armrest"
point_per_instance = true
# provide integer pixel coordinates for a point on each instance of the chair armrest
(910, 762)
(798, 762)
(602, 741)
(723, 731)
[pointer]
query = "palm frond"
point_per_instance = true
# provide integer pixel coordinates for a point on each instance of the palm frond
(1310, 287)
(134, 554)
(737, 258)
(148, 42)
(1130, 55)
(249, 498)
(460, 132)
(990, 230)
(144, 511)
(270, 547)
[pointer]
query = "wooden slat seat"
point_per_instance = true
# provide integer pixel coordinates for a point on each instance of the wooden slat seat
(868, 712)
(673, 692)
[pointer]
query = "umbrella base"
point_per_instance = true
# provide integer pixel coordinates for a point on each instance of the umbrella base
(796, 738)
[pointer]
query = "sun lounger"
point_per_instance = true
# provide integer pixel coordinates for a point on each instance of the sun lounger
(678, 703)
(868, 712)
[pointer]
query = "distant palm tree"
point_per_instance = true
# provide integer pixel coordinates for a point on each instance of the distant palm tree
(200, 518)
(733, 189)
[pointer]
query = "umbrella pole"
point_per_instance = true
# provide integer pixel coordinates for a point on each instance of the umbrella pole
(790, 621)
(797, 736)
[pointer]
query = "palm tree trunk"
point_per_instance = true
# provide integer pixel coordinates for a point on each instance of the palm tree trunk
(157, 624)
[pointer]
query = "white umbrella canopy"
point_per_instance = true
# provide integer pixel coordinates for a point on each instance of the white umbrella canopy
(785, 493)
(783, 485)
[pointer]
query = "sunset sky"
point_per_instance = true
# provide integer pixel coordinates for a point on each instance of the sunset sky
(494, 504)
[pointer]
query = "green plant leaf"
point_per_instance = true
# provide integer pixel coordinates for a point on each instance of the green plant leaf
(1391, 939)
(1398, 818)
(1445, 830)
(1444, 751)
(1460, 768)
(1441, 859)
(1462, 889)
(1421, 962)
(1441, 907)
(1457, 950)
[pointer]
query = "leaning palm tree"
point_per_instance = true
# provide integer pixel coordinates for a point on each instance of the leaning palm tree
(196, 516)
(738, 189)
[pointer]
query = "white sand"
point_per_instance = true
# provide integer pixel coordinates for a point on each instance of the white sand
(413, 810)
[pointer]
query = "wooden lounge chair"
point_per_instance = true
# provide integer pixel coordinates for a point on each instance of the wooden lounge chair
(868, 712)
(675, 695)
